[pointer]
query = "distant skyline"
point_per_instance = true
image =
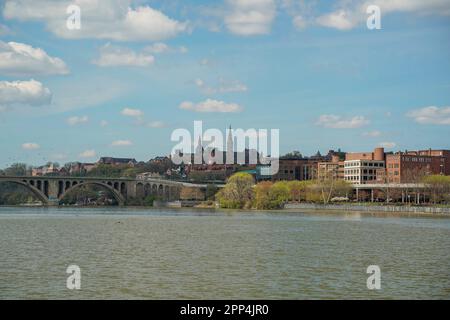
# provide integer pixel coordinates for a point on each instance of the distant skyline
(137, 70)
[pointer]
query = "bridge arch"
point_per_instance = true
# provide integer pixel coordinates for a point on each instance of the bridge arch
(39, 194)
(147, 189)
(118, 196)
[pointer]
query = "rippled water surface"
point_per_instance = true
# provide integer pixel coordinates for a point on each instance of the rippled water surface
(183, 254)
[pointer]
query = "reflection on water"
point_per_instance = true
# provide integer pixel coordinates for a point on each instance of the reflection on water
(185, 254)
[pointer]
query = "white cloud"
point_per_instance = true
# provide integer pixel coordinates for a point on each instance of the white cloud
(250, 17)
(88, 154)
(140, 121)
(112, 56)
(24, 93)
(103, 123)
(372, 134)
(160, 47)
(121, 143)
(299, 22)
(21, 59)
(129, 112)
(223, 87)
(351, 13)
(387, 145)
(337, 122)
(431, 115)
(30, 146)
(77, 120)
(339, 20)
(210, 105)
(155, 124)
(107, 19)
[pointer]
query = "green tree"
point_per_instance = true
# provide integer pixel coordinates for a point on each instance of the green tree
(211, 190)
(106, 170)
(17, 169)
(148, 200)
(297, 190)
(262, 195)
(129, 172)
(270, 195)
(238, 192)
(279, 194)
(438, 187)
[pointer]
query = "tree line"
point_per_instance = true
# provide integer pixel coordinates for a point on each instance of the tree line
(241, 191)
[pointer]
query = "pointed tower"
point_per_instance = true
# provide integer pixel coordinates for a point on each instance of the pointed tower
(198, 156)
(230, 148)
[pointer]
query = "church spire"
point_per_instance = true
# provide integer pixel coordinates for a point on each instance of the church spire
(230, 148)
(198, 156)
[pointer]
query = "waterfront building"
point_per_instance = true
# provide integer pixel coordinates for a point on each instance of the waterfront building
(333, 169)
(296, 169)
(412, 166)
(398, 167)
(444, 155)
(365, 167)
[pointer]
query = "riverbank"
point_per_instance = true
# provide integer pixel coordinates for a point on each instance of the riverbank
(377, 209)
(370, 208)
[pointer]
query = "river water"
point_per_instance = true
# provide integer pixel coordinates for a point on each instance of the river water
(185, 254)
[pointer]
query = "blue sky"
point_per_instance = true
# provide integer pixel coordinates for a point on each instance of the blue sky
(313, 70)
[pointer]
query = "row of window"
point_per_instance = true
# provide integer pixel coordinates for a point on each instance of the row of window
(364, 164)
(358, 178)
(416, 159)
(358, 171)
(393, 165)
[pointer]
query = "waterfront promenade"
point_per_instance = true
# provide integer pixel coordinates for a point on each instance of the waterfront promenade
(370, 208)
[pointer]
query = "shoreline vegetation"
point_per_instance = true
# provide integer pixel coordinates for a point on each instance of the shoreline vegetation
(242, 192)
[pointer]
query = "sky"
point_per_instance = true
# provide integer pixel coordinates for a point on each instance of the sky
(137, 70)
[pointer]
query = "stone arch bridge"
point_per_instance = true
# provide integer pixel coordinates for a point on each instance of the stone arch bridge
(52, 189)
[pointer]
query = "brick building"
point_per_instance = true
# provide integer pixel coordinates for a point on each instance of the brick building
(333, 169)
(412, 166)
(399, 167)
(296, 169)
(445, 159)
